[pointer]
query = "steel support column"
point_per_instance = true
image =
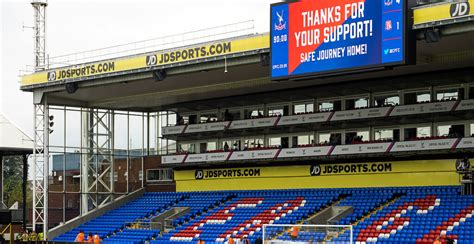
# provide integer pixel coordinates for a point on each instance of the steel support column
(97, 158)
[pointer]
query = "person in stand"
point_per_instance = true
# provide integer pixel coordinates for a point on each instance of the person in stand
(180, 120)
(245, 240)
(200, 241)
(33, 236)
(24, 237)
(235, 147)
(437, 241)
(96, 238)
(226, 147)
(40, 237)
(227, 115)
(294, 231)
(231, 240)
(80, 237)
(89, 238)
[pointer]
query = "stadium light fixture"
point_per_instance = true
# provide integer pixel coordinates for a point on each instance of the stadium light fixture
(225, 64)
(51, 124)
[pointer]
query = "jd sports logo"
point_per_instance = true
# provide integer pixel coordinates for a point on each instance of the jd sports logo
(198, 174)
(151, 60)
(315, 170)
(52, 76)
(459, 9)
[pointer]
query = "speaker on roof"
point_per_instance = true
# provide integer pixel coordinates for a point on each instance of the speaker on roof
(432, 35)
(159, 74)
(71, 87)
(264, 59)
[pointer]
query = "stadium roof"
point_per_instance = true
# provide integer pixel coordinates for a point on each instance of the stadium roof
(13, 140)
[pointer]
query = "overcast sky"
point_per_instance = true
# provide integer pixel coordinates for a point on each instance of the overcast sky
(74, 26)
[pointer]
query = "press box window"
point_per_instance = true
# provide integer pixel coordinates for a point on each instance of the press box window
(387, 134)
(329, 106)
(210, 117)
(157, 175)
(413, 133)
(303, 108)
(357, 103)
(232, 115)
(417, 97)
(274, 141)
(453, 131)
(232, 144)
(358, 136)
(387, 100)
(189, 119)
(253, 113)
(330, 138)
(187, 147)
(449, 94)
(302, 140)
(207, 146)
(253, 143)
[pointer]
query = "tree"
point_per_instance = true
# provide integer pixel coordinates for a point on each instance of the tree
(13, 180)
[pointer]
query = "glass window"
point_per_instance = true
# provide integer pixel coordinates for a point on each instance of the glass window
(383, 134)
(423, 131)
(452, 131)
(422, 97)
(189, 119)
(326, 106)
(387, 100)
(253, 113)
(274, 141)
(361, 103)
(305, 140)
(229, 115)
(187, 147)
(330, 106)
(357, 136)
(253, 143)
(207, 146)
(324, 137)
(160, 175)
(303, 108)
(211, 146)
(448, 94)
(356, 103)
(275, 111)
(417, 97)
(208, 117)
(330, 138)
(442, 130)
(232, 144)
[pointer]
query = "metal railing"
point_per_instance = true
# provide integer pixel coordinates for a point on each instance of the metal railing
(155, 44)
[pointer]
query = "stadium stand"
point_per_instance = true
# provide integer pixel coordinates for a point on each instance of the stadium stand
(244, 140)
(382, 215)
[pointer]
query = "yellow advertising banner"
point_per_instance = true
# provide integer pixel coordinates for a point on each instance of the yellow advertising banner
(397, 173)
(442, 11)
(157, 59)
